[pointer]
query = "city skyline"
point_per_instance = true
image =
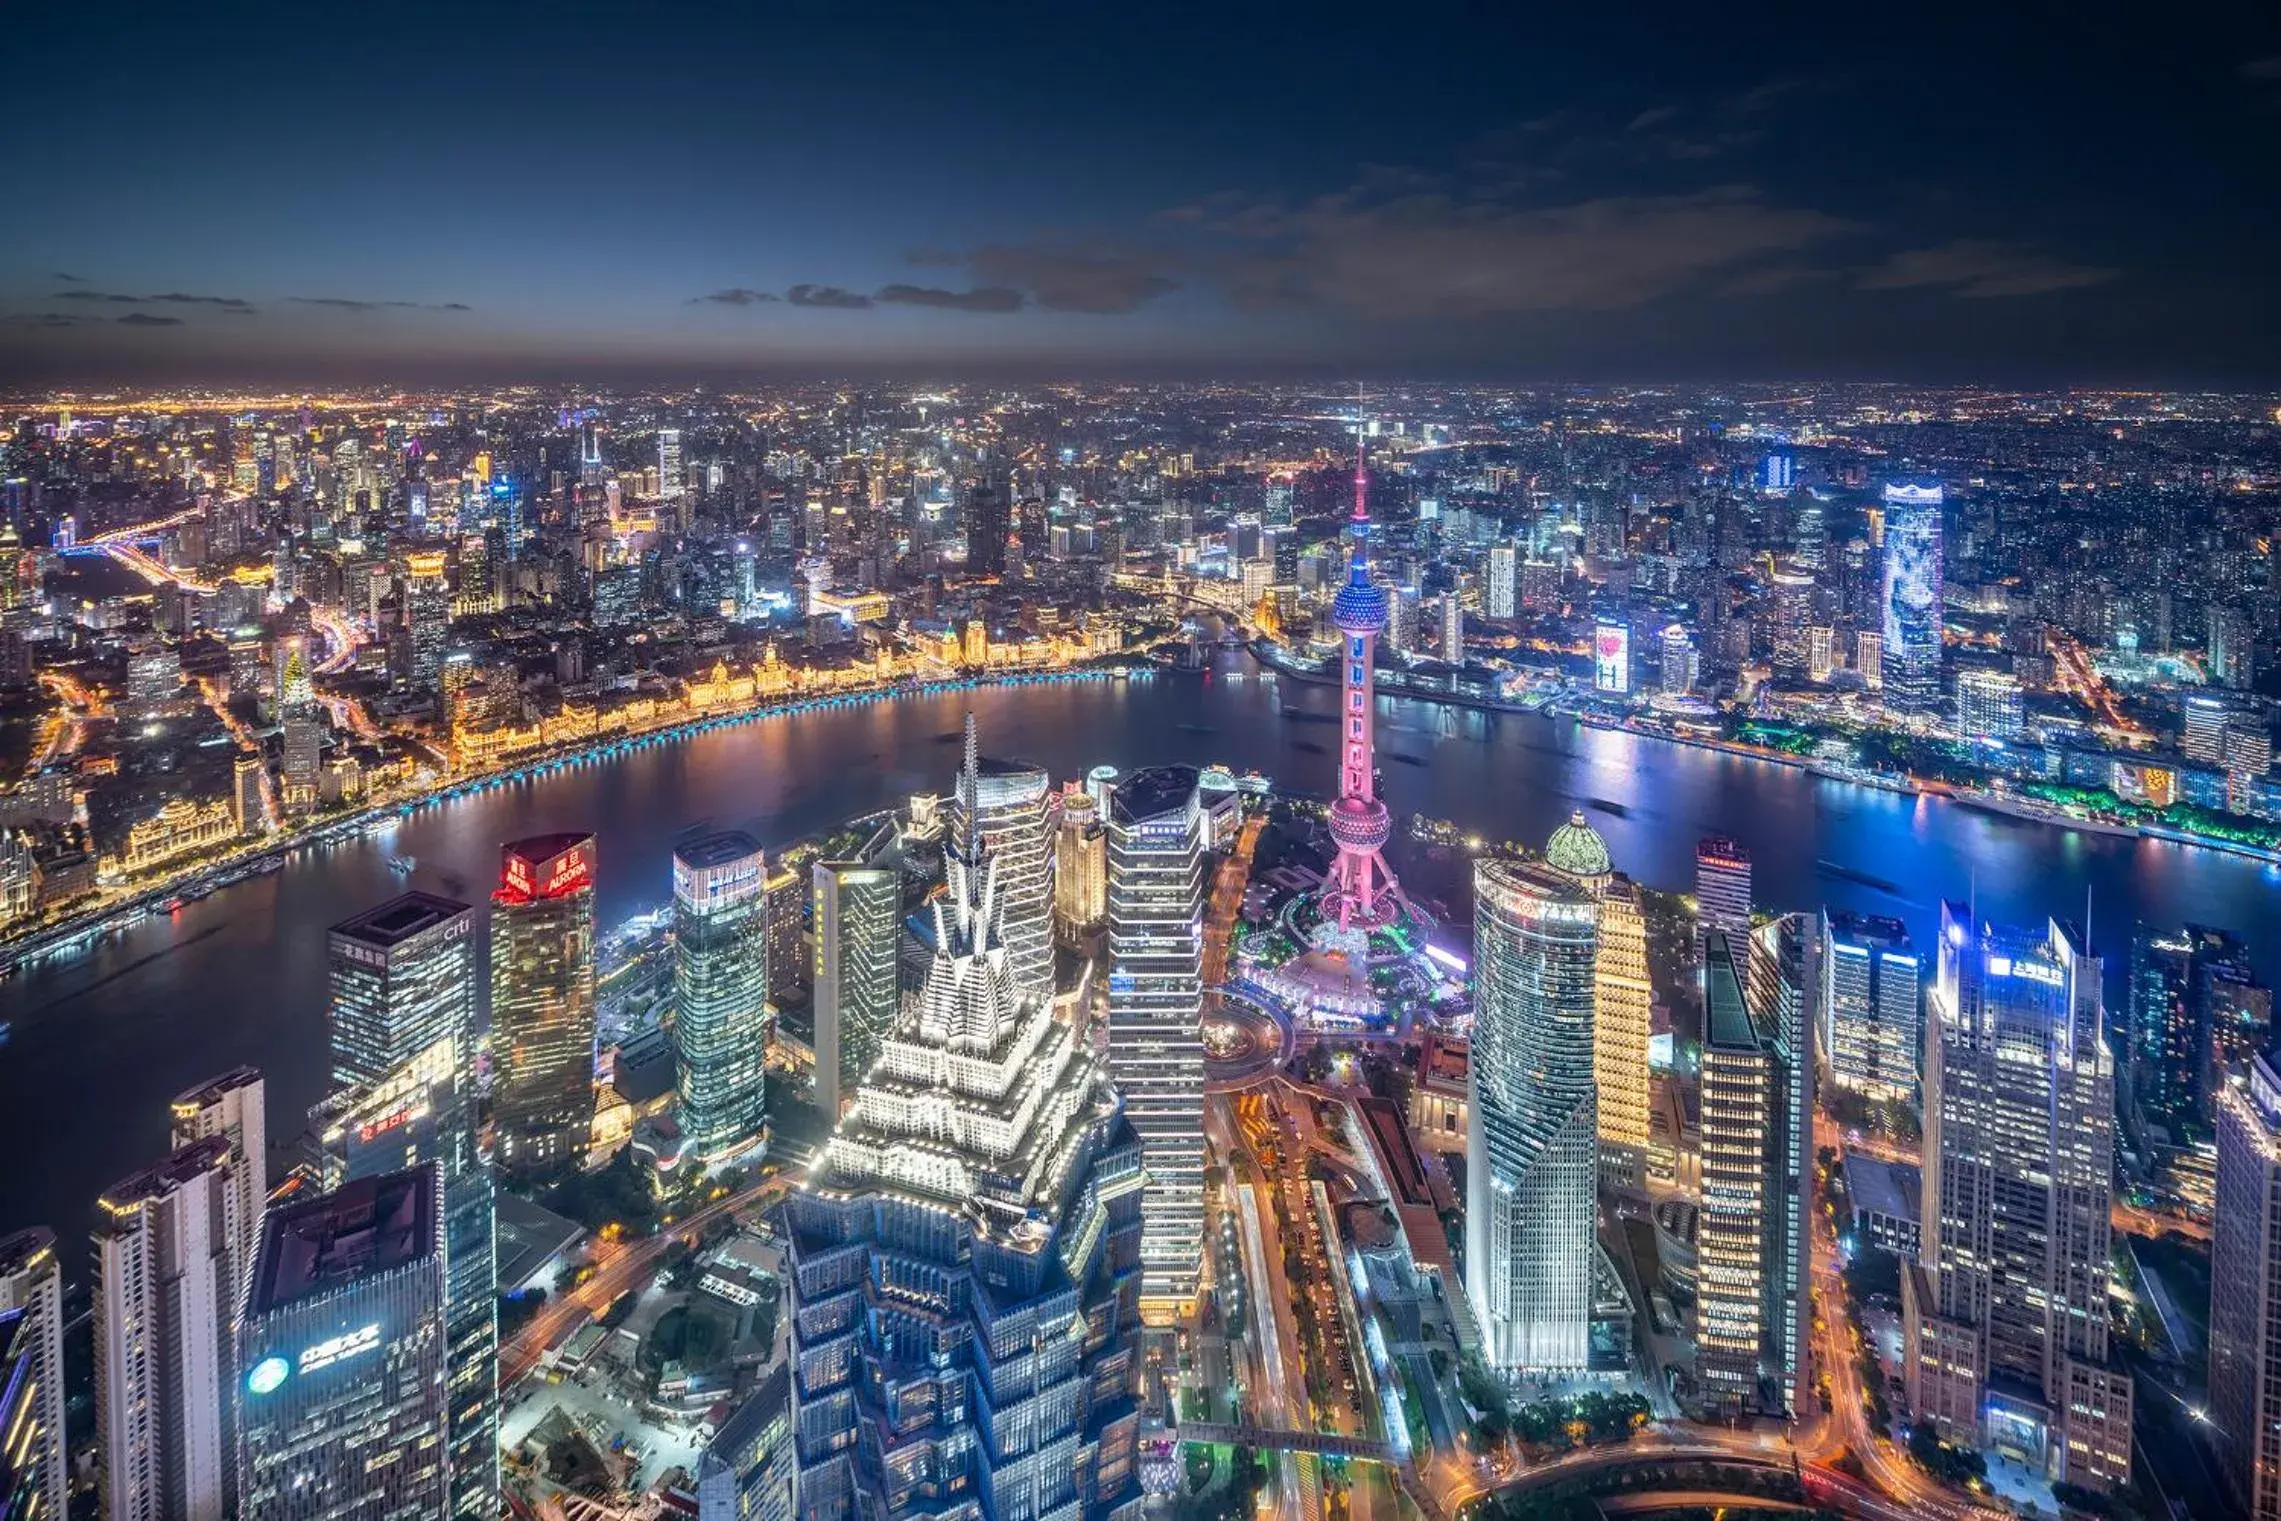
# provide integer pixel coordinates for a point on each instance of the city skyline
(879, 189)
(595, 812)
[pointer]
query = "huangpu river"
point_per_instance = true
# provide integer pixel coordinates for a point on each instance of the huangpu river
(97, 1045)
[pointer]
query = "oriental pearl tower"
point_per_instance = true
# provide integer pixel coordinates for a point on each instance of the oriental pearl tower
(1361, 895)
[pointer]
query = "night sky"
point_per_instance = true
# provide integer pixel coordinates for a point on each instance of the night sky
(2006, 192)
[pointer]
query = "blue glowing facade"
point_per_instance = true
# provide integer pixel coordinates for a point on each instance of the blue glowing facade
(1911, 658)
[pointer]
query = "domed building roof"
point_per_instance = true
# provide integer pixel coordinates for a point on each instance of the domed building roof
(1577, 849)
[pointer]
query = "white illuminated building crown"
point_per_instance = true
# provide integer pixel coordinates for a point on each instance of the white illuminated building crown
(980, 1100)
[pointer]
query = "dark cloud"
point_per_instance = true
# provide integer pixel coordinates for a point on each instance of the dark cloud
(226, 303)
(827, 296)
(1471, 256)
(1065, 278)
(2262, 68)
(69, 279)
(1653, 116)
(352, 304)
(148, 319)
(1979, 268)
(983, 298)
(47, 319)
(170, 298)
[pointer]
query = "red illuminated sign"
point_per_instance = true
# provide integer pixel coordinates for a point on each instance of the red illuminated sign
(381, 1127)
(522, 880)
(570, 872)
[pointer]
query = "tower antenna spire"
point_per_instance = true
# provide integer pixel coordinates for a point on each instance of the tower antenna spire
(1362, 894)
(1361, 448)
(970, 791)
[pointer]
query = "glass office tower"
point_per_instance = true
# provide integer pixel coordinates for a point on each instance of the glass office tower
(720, 984)
(542, 1003)
(1532, 1141)
(1156, 1007)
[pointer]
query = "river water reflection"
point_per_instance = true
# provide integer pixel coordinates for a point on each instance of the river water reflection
(99, 1044)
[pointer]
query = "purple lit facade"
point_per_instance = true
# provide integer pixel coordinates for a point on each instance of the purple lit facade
(1362, 894)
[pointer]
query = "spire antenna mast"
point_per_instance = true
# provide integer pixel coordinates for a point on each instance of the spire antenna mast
(1361, 455)
(970, 791)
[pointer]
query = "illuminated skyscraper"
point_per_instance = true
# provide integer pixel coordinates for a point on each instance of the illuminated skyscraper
(420, 1115)
(234, 1107)
(1738, 1095)
(2196, 1013)
(2245, 1290)
(1501, 599)
(249, 785)
(35, 1467)
(671, 482)
(164, 1302)
(427, 614)
(2204, 718)
(1402, 610)
(1012, 803)
(1783, 986)
(964, 1258)
(1362, 894)
(292, 684)
(1080, 867)
(1676, 663)
(1156, 1008)
(345, 1384)
(720, 983)
(403, 976)
(1790, 614)
(1623, 1001)
(1911, 650)
(2230, 647)
(1989, 706)
(1532, 1133)
(2007, 1307)
(1870, 997)
(858, 928)
(1722, 889)
(787, 929)
(542, 1002)
(1540, 585)
(301, 758)
(1752, 1256)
